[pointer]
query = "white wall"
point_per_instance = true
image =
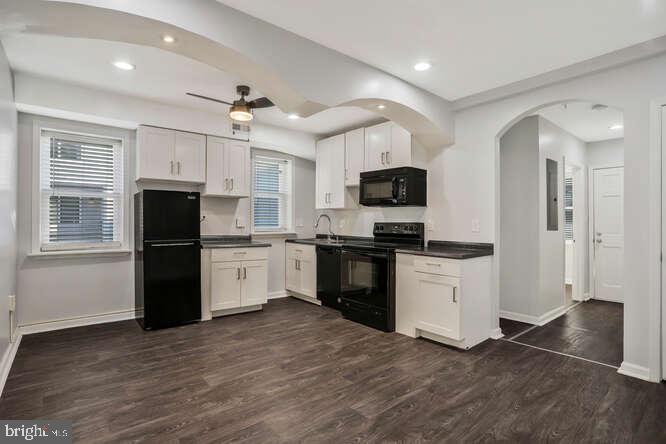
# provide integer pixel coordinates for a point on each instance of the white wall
(469, 182)
(605, 152)
(519, 185)
(8, 189)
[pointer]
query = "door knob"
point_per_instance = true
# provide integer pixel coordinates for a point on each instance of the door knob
(598, 240)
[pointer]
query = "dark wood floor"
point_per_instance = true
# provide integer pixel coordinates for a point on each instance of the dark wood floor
(511, 328)
(299, 373)
(591, 330)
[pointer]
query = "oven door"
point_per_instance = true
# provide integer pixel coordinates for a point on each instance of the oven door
(364, 277)
(380, 190)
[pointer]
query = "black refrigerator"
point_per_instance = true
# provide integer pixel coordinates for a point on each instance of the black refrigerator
(167, 258)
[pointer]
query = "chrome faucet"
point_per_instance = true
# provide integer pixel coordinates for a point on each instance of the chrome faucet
(330, 232)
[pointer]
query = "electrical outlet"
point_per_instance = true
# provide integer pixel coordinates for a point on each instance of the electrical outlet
(240, 222)
(342, 222)
(430, 225)
(12, 302)
(299, 223)
(476, 226)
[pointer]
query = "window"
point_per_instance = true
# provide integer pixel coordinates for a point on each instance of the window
(271, 194)
(568, 208)
(81, 191)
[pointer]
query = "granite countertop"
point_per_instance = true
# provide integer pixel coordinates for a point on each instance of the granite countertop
(211, 241)
(451, 250)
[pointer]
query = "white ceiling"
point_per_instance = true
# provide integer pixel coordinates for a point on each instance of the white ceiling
(473, 45)
(160, 75)
(579, 119)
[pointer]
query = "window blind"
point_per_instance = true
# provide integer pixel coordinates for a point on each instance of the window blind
(568, 208)
(271, 201)
(81, 183)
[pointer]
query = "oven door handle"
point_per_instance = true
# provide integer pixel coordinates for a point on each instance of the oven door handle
(364, 253)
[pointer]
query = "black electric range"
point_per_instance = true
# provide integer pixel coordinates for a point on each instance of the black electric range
(367, 273)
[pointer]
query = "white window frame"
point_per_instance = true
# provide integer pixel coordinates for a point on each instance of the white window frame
(80, 131)
(289, 226)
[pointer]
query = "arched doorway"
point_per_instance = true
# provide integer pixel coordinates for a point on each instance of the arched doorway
(560, 230)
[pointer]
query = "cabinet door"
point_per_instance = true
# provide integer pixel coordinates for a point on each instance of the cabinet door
(237, 167)
(354, 156)
(190, 157)
(217, 183)
(438, 302)
(225, 285)
(308, 278)
(155, 153)
(322, 173)
(401, 147)
(292, 276)
(336, 172)
(377, 145)
(254, 287)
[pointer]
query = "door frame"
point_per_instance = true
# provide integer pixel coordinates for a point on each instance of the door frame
(580, 248)
(590, 218)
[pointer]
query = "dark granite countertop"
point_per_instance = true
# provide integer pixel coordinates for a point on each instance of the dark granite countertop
(230, 241)
(451, 250)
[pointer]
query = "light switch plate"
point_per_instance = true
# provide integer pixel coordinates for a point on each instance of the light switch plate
(240, 222)
(476, 226)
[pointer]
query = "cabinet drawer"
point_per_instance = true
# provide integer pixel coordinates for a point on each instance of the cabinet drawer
(433, 265)
(238, 254)
(301, 252)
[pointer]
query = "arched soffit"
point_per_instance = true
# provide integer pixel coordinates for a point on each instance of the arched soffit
(299, 75)
(534, 109)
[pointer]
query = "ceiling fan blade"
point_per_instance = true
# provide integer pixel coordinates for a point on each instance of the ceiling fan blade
(208, 98)
(261, 102)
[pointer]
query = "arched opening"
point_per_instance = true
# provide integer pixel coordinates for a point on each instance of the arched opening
(560, 232)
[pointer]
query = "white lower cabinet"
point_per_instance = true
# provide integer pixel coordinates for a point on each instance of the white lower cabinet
(234, 283)
(301, 270)
(446, 300)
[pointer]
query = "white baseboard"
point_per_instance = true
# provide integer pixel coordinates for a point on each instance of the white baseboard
(596, 298)
(304, 298)
(552, 314)
(79, 321)
(496, 333)
(635, 371)
(520, 317)
(278, 294)
(8, 360)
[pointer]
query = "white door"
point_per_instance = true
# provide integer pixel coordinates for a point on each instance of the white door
(254, 287)
(216, 181)
(292, 277)
(439, 304)
(237, 167)
(377, 145)
(608, 233)
(155, 152)
(336, 171)
(663, 240)
(354, 156)
(190, 157)
(401, 147)
(225, 285)
(322, 173)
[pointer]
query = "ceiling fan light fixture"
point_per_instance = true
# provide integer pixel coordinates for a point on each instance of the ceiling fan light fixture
(240, 113)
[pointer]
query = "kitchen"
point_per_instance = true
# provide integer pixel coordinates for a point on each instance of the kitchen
(224, 225)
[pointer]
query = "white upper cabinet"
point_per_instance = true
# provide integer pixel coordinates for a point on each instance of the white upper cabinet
(387, 145)
(228, 168)
(330, 173)
(354, 156)
(164, 154)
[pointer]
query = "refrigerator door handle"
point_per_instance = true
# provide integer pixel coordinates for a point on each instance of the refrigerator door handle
(238, 274)
(175, 244)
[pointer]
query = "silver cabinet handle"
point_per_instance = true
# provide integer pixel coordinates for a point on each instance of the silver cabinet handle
(244, 273)
(455, 300)
(432, 264)
(178, 167)
(226, 184)
(171, 162)
(388, 158)
(232, 184)
(383, 156)
(238, 274)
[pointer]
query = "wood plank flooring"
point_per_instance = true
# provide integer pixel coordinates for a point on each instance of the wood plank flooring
(300, 373)
(591, 330)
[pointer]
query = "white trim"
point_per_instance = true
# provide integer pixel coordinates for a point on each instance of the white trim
(496, 333)
(597, 298)
(79, 321)
(520, 317)
(237, 310)
(586, 296)
(654, 279)
(305, 298)
(278, 294)
(78, 253)
(536, 320)
(635, 371)
(8, 360)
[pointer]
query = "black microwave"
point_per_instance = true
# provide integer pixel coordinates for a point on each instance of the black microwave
(394, 187)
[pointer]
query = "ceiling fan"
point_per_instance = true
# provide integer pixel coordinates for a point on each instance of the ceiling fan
(240, 110)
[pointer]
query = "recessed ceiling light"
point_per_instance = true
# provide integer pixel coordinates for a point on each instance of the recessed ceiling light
(293, 116)
(381, 106)
(422, 66)
(617, 126)
(168, 38)
(125, 66)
